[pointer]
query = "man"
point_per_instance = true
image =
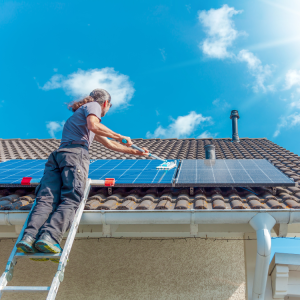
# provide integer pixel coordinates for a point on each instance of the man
(62, 187)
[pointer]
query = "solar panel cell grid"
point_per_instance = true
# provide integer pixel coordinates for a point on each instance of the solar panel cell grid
(230, 172)
(131, 171)
(12, 171)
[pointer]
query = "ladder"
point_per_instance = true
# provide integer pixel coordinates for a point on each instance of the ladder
(63, 256)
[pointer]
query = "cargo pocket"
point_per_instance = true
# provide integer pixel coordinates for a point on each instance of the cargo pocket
(69, 157)
(79, 180)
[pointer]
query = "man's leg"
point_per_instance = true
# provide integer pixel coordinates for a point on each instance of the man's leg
(47, 197)
(72, 190)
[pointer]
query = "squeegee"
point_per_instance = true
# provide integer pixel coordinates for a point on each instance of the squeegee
(166, 165)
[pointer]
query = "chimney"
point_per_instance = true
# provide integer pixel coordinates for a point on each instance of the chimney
(210, 152)
(235, 116)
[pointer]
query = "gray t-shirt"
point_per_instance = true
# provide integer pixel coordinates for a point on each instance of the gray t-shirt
(76, 129)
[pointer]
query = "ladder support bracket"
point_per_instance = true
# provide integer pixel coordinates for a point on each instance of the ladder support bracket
(10, 271)
(61, 276)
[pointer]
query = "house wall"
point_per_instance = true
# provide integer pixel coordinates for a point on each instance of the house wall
(139, 269)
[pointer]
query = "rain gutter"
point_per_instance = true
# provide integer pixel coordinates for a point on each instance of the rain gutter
(119, 217)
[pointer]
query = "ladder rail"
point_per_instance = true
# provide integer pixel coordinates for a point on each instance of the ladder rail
(59, 276)
(8, 273)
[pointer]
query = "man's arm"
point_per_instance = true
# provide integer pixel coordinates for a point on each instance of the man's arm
(115, 146)
(101, 130)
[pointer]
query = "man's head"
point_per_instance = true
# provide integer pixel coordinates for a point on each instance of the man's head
(103, 98)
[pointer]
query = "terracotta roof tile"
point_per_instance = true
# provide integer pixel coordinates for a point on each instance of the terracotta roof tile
(201, 204)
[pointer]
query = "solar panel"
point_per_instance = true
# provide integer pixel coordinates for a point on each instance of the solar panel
(132, 172)
(12, 171)
(126, 172)
(230, 172)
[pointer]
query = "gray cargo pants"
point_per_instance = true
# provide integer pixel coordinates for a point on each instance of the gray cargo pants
(60, 192)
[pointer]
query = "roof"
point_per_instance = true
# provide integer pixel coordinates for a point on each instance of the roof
(169, 198)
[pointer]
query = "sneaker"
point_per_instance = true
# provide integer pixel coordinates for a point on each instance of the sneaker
(47, 244)
(26, 245)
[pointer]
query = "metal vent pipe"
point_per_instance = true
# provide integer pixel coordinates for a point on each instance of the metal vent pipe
(210, 152)
(234, 117)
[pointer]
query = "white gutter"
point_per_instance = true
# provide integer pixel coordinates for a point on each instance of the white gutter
(119, 217)
(262, 223)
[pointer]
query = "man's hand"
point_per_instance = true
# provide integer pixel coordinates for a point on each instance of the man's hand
(115, 146)
(129, 142)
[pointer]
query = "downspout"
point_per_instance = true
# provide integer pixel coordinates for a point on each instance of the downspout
(262, 223)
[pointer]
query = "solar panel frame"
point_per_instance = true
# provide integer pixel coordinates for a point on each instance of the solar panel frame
(230, 173)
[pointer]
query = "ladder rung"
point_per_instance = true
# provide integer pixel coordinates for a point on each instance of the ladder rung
(26, 289)
(38, 255)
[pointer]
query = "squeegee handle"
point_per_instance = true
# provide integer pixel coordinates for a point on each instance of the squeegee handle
(133, 146)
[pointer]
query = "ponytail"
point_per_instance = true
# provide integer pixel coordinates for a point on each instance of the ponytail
(97, 95)
(75, 105)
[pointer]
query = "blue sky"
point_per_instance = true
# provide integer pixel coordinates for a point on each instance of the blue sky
(174, 68)
(285, 245)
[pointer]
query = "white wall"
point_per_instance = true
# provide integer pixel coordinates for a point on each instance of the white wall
(140, 269)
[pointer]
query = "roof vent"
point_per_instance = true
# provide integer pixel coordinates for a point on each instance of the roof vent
(210, 152)
(235, 116)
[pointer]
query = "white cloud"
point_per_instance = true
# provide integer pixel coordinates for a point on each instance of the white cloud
(206, 134)
(221, 104)
(221, 34)
(256, 68)
(292, 78)
(54, 127)
(296, 104)
(276, 133)
(220, 31)
(288, 122)
(181, 127)
(81, 83)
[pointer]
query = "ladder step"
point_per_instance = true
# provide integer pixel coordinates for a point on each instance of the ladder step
(38, 255)
(26, 289)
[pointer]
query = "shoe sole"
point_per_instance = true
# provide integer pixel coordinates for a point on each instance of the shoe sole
(25, 247)
(46, 247)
